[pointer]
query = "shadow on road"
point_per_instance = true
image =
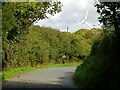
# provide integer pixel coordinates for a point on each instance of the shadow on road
(63, 82)
(16, 84)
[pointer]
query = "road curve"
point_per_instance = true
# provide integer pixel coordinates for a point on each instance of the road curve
(44, 78)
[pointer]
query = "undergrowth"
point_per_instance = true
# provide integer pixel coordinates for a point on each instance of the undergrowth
(101, 68)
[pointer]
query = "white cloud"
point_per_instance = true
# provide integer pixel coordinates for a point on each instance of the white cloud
(73, 11)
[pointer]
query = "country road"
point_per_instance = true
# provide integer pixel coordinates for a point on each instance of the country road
(44, 78)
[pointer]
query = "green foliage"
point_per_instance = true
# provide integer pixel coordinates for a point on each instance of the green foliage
(85, 39)
(26, 45)
(0, 76)
(17, 17)
(110, 15)
(101, 68)
(44, 45)
(23, 14)
(16, 71)
(61, 65)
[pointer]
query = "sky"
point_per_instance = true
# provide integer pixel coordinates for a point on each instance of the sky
(73, 12)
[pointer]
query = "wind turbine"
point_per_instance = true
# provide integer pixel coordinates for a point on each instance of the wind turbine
(97, 1)
(84, 21)
(67, 29)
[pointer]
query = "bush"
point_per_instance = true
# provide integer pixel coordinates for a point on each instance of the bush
(101, 68)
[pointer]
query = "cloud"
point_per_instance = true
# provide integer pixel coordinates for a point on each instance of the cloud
(73, 11)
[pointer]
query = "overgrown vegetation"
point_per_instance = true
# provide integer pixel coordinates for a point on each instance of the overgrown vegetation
(45, 45)
(25, 45)
(16, 71)
(22, 15)
(101, 68)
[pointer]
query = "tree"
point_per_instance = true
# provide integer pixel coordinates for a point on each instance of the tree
(17, 16)
(110, 15)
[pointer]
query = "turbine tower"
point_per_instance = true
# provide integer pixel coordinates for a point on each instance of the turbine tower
(67, 29)
(84, 21)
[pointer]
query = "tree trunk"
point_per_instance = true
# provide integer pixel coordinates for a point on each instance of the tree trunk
(116, 24)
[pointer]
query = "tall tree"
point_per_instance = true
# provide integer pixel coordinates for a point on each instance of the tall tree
(17, 16)
(110, 15)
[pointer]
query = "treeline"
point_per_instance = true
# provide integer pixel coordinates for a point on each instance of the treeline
(17, 17)
(26, 45)
(42, 45)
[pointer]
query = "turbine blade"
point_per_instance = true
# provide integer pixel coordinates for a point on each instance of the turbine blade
(82, 22)
(97, 1)
(86, 15)
(89, 24)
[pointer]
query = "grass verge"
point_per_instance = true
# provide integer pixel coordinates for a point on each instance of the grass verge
(16, 71)
(61, 65)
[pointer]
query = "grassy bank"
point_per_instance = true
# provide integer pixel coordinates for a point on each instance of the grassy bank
(61, 65)
(16, 71)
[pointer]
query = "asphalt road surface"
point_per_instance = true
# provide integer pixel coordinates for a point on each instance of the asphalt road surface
(44, 78)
